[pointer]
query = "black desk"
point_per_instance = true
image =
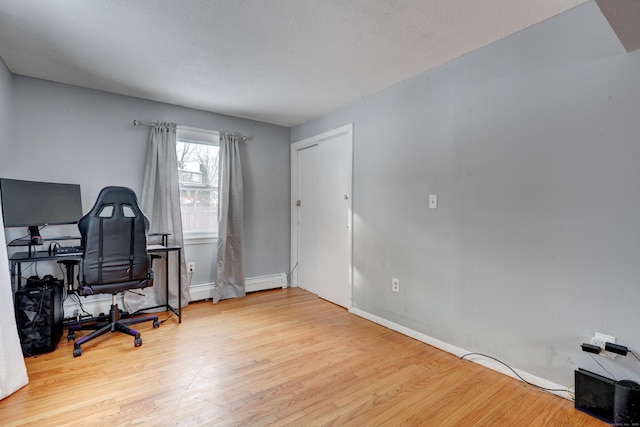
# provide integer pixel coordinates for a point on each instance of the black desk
(17, 259)
(166, 249)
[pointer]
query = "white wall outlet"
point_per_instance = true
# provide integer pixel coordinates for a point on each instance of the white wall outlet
(395, 285)
(191, 267)
(600, 340)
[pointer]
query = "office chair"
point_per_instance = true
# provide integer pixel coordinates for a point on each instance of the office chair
(115, 259)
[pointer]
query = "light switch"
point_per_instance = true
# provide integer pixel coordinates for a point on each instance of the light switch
(433, 201)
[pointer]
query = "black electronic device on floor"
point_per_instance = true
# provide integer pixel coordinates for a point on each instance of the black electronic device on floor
(594, 394)
(39, 315)
(626, 403)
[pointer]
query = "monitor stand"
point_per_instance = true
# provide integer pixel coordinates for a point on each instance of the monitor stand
(34, 233)
(34, 239)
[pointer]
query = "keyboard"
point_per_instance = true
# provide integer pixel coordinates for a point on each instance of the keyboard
(68, 250)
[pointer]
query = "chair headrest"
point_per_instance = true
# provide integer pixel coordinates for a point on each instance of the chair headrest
(116, 195)
(124, 202)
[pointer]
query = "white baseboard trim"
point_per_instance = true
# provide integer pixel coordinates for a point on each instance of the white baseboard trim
(97, 304)
(457, 351)
(94, 304)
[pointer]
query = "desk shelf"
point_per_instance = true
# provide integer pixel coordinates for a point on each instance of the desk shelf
(27, 241)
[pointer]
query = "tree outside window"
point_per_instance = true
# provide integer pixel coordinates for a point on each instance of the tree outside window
(198, 159)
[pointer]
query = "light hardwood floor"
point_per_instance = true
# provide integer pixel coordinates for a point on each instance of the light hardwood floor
(280, 357)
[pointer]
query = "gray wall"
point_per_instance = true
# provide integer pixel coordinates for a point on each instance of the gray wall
(70, 134)
(533, 147)
(5, 119)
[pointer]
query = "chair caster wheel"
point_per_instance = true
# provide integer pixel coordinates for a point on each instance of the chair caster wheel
(71, 336)
(77, 352)
(156, 324)
(137, 342)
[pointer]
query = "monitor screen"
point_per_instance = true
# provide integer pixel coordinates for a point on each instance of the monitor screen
(32, 203)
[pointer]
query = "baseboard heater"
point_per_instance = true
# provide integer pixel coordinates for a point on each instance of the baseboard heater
(252, 284)
(262, 283)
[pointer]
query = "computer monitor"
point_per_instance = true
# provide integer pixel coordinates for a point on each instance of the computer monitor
(36, 204)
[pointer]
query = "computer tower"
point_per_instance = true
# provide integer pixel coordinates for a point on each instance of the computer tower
(39, 316)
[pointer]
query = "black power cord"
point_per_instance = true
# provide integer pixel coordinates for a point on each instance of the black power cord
(602, 366)
(515, 373)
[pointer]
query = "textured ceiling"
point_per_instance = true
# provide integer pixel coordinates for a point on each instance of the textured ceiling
(276, 61)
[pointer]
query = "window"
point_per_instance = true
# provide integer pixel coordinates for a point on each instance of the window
(197, 152)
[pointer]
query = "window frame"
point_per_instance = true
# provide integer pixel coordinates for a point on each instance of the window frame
(191, 135)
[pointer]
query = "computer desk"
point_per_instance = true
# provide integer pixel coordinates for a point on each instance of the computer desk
(17, 259)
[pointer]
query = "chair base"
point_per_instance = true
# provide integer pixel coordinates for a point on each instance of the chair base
(114, 324)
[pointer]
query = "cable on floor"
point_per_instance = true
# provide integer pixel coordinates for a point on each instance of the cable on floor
(515, 373)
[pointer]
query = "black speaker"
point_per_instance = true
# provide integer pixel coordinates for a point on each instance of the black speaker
(626, 403)
(39, 315)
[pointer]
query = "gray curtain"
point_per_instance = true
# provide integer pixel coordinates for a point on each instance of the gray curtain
(230, 279)
(160, 201)
(13, 372)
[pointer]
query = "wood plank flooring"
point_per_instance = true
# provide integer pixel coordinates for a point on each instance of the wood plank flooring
(273, 358)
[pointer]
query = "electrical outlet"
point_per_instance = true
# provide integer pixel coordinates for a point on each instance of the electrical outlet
(191, 267)
(395, 285)
(600, 340)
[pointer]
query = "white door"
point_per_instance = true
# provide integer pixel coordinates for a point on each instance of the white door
(322, 215)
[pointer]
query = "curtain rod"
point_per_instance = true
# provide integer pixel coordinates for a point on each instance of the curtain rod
(141, 123)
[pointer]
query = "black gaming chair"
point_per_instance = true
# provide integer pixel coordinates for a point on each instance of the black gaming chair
(115, 259)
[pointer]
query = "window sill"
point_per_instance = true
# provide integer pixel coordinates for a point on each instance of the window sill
(195, 239)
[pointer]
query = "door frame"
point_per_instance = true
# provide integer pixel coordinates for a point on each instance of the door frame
(301, 145)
